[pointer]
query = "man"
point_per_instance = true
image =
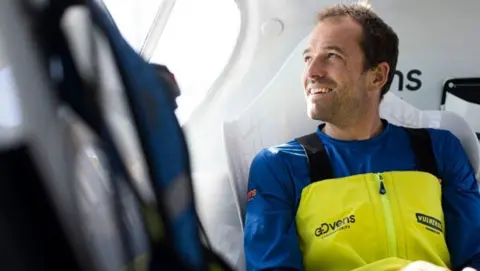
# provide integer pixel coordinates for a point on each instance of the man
(360, 193)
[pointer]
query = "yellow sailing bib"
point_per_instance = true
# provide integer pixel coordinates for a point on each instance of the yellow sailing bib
(372, 222)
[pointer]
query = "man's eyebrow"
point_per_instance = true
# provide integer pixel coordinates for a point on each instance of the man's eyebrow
(329, 47)
(335, 48)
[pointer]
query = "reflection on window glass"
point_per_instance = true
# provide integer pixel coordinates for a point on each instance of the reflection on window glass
(133, 18)
(195, 45)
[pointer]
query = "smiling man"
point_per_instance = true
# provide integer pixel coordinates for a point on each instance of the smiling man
(360, 193)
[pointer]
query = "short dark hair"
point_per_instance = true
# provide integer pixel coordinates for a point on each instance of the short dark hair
(379, 42)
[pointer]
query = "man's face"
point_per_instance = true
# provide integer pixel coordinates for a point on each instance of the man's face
(334, 78)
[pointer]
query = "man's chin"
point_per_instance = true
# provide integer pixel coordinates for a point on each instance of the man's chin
(314, 115)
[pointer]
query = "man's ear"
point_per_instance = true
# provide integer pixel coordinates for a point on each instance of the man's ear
(379, 76)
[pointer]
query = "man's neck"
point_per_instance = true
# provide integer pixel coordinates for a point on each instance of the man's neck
(361, 129)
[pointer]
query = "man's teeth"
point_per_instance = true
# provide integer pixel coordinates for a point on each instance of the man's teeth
(320, 90)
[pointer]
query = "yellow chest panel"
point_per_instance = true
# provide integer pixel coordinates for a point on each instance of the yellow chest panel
(372, 222)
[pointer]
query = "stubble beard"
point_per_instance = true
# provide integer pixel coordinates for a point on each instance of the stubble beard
(340, 112)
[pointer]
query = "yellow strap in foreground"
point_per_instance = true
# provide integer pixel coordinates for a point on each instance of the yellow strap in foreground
(154, 224)
(214, 267)
(140, 263)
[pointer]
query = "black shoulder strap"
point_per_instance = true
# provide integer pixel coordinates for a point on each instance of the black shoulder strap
(318, 160)
(422, 147)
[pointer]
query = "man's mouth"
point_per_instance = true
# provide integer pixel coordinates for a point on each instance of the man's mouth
(319, 91)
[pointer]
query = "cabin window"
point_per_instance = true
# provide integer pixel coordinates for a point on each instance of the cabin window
(195, 43)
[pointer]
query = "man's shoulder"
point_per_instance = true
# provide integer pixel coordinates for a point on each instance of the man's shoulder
(437, 136)
(446, 146)
(441, 136)
(284, 164)
(281, 154)
(288, 155)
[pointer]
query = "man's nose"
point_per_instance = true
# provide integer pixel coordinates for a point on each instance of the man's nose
(316, 69)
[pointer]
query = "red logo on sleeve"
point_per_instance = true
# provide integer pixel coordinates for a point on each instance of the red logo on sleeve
(251, 194)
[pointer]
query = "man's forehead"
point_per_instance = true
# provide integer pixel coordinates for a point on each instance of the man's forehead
(338, 31)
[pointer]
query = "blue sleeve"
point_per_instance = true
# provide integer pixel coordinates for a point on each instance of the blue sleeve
(461, 200)
(270, 235)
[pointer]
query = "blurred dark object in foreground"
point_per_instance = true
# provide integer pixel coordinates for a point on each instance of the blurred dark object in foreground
(59, 50)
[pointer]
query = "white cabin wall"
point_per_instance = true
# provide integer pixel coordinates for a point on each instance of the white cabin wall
(439, 38)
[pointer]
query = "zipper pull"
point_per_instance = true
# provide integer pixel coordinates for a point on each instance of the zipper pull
(382, 191)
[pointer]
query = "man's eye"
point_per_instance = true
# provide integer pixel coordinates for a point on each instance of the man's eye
(331, 55)
(307, 58)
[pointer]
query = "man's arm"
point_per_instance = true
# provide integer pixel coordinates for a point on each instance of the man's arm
(270, 236)
(460, 201)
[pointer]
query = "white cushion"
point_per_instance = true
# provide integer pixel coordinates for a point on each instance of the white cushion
(470, 111)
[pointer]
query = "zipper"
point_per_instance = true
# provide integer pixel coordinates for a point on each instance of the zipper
(387, 213)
